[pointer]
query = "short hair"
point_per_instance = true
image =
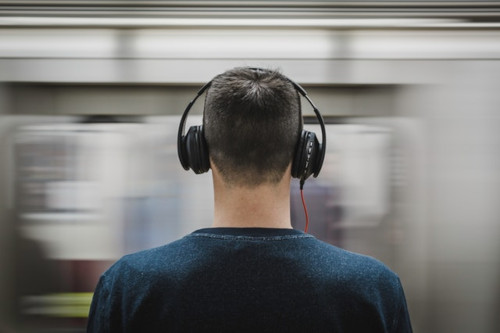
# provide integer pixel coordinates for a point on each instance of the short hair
(252, 122)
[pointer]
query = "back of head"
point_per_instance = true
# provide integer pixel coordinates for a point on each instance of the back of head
(252, 122)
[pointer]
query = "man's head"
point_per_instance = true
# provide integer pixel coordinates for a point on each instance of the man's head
(252, 122)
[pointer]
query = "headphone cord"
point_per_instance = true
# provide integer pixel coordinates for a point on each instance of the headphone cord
(304, 204)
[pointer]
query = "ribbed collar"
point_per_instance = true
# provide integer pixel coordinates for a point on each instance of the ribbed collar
(250, 232)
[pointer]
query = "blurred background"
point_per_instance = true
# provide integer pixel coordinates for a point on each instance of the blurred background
(91, 94)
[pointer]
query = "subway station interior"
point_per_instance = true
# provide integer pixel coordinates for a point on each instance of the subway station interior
(91, 94)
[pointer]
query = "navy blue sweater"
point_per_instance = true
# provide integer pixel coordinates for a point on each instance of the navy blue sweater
(248, 280)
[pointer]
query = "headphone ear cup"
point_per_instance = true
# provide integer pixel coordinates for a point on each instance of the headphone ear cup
(305, 160)
(194, 150)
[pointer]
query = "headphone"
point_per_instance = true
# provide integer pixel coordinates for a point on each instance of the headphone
(308, 158)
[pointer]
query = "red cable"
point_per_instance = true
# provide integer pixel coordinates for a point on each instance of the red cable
(305, 210)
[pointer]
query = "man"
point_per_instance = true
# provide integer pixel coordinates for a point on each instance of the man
(249, 272)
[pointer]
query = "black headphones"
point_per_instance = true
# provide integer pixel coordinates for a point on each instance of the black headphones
(309, 153)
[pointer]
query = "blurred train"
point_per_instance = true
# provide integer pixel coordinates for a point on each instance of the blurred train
(91, 94)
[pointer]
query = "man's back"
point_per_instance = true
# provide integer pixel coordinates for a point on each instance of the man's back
(248, 280)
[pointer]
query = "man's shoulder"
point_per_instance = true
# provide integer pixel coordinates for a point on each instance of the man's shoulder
(147, 261)
(354, 266)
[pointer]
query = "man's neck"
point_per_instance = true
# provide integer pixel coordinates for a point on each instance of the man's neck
(266, 206)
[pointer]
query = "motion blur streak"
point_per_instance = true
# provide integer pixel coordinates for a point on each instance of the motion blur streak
(90, 98)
